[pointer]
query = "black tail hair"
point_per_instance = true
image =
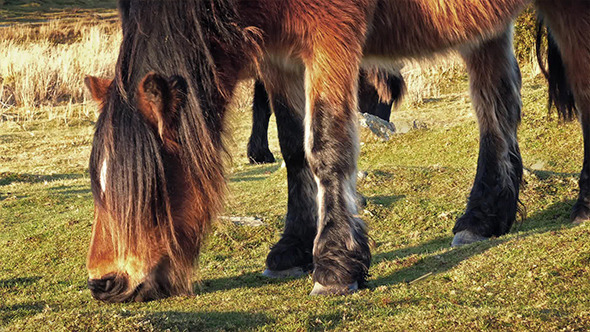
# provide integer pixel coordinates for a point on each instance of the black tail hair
(560, 92)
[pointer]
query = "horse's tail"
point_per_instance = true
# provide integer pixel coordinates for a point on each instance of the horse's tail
(390, 87)
(560, 92)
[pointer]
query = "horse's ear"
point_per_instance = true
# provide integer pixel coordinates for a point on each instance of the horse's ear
(159, 100)
(98, 87)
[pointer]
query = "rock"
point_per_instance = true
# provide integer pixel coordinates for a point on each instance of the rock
(379, 127)
(404, 127)
(361, 175)
(538, 166)
(244, 221)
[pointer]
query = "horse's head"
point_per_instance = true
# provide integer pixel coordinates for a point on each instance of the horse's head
(148, 219)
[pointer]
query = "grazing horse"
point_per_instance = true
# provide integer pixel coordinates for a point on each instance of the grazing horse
(379, 91)
(156, 164)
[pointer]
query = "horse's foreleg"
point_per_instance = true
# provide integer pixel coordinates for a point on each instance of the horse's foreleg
(292, 255)
(258, 151)
(495, 90)
(341, 252)
(568, 22)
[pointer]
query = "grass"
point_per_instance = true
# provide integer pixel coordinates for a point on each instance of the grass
(535, 278)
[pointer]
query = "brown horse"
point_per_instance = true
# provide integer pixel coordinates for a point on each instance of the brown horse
(157, 159)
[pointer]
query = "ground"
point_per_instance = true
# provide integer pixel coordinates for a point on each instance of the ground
(535, 278)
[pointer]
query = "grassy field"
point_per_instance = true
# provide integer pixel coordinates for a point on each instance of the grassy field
(535, 278)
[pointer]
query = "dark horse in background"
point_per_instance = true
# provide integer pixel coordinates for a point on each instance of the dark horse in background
(379, 92)
(156, 164)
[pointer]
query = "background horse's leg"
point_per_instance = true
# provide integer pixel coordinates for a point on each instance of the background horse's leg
(292, 255)
(569, 21)
(258, 151)
(495, 90)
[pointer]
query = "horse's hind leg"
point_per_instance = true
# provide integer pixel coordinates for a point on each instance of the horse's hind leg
(292, 255)
(258, 151)
(495, 89)
(568, 22)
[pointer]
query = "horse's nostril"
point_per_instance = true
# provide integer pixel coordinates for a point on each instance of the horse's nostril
(109, 284)
(101, 285)
(94, 284)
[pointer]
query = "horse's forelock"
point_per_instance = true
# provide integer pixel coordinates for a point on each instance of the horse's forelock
(135, 196)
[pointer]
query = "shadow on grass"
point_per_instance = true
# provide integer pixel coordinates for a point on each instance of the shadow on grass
(550, 219)
(543, 175)
(7, 178)
(424, 248)
(326, 322)
(258, 173)
(386, 201)
(70, 190)
(23, 281)
(21, 310)
(212, 320)
(248, 280)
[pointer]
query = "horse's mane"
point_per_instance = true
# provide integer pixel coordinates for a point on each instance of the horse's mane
(169, 38)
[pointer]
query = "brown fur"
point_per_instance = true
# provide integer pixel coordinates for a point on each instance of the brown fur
(98, 88)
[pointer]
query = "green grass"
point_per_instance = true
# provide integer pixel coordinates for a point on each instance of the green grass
(535, 278)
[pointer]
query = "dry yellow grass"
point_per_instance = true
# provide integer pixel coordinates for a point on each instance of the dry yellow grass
(45, 65)
(423, 78)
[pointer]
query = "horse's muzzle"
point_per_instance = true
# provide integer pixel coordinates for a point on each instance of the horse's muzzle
(111, 288)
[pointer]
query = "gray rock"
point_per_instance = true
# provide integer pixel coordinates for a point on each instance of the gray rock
(361, 175)
(244, 221)
(381, 128)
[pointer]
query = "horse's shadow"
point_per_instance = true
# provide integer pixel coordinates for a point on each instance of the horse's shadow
(22, 281)
(385, 200)
(20, 310)
(199, 321)
(552, 218)
(7, 178)
(257, 173)
(247, 280)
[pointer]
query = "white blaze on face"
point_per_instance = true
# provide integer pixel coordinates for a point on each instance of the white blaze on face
(103, 176)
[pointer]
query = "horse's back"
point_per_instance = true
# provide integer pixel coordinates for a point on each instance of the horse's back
(413, 28)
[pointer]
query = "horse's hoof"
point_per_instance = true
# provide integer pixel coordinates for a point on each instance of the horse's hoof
(466, 237)
(293, 272)
(319, 289)
(262, 157)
